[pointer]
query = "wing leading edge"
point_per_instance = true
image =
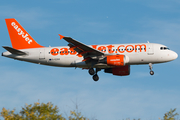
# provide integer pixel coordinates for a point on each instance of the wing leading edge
(81, 48)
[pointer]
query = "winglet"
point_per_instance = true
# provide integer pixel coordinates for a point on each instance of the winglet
(61, 37)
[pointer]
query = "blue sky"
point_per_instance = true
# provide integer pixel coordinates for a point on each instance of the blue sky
(94, 22)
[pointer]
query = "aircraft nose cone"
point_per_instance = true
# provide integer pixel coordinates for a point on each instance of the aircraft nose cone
(175, 55)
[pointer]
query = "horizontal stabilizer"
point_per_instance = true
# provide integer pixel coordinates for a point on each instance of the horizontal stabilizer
(14, 51)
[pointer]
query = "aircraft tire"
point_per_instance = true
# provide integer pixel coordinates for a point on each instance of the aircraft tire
(95, 77)
(151, 72)
(91, 71)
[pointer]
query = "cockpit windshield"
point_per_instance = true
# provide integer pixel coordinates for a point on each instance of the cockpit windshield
(164, 48)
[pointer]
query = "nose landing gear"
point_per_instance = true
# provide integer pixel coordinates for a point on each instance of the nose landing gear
(152, 72)
(94, 73)
(150, 67)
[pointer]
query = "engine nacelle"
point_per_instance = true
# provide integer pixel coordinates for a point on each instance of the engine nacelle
(119, 71)
(115, 60)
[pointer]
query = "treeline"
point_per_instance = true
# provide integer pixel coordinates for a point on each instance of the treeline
(42, 111)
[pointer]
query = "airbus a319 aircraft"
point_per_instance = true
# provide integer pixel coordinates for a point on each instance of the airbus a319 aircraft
(112, 58)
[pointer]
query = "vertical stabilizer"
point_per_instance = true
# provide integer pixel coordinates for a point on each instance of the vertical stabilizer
(20, 39)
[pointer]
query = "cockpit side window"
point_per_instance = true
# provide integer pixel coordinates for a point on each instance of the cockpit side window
(164, 48)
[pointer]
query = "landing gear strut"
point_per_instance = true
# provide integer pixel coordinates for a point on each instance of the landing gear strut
(150, 67)
(94, 73)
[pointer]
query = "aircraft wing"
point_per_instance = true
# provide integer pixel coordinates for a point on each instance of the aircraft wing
(81, 48)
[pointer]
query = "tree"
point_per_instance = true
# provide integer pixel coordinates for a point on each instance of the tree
(33, 112)
(170, 115)
(39, 111)
(48, 111)
(76, 116)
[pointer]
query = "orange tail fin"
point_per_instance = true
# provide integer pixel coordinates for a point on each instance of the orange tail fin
(20, 39)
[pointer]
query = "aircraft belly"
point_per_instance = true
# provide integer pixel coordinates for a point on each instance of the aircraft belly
(62, 61)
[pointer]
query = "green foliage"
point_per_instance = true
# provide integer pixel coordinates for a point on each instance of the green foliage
(76, 116)
(33, 112)
(39, 111)
(47, 111)
(170, 115)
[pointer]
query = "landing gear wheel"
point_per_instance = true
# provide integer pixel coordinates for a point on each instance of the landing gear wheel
(152, 72)
(150, 67)
(95, 77)
(91, 71)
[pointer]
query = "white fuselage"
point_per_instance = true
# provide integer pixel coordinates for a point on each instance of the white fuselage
(139, 53)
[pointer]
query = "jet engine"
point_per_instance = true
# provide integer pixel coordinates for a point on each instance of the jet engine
(115, 60)
(119, 71)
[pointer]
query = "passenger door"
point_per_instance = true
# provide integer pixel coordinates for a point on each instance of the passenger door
(150, 50)
(41, 53)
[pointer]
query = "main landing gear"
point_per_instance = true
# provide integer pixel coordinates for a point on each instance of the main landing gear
(150, 67)
(91, 71)
(94, 73)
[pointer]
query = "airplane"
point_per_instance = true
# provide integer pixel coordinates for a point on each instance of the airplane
(112, 58)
